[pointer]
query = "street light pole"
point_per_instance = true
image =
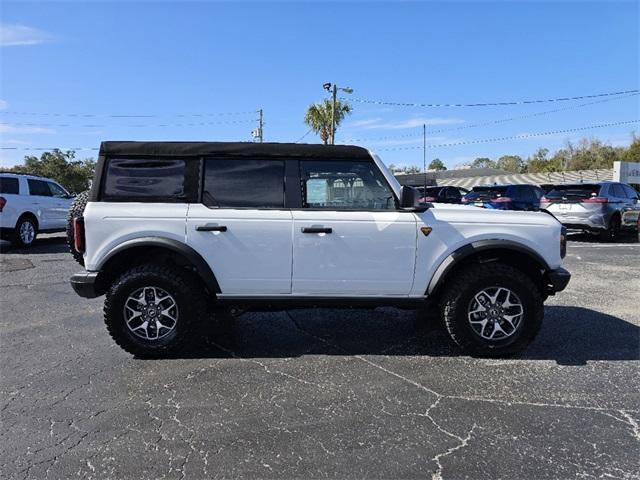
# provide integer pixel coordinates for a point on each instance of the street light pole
(333, 88)
(334, 93)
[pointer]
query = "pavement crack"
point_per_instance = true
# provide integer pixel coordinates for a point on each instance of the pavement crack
(464, 441)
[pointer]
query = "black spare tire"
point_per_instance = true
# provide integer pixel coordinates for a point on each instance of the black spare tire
(76, 210)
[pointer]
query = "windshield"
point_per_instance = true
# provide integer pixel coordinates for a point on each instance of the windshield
(486, 192)
(573, 192)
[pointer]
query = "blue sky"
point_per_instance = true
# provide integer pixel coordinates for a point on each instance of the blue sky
(172, 61)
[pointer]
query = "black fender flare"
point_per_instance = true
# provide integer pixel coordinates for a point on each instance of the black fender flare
(478, 246)
(202, 267)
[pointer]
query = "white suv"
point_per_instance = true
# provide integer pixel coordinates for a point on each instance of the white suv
(173, 231)
(30, 204)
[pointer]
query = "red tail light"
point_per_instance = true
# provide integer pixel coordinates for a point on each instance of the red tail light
(544, 199)
(3, 202)
(465, 200)
(501, 200)
(428, 199)
(78, 234)
(596, 200)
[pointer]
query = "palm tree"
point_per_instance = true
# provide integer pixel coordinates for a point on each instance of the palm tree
(318, 117)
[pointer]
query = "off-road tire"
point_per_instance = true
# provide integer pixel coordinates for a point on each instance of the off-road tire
(76, 210)
(180, 284)
(612, 232)
(16, 239)
(459, 292)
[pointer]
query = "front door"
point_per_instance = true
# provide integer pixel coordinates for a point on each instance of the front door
(241, 227)
(349, 238)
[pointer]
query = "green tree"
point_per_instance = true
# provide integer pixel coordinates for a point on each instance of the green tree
(483, 162)
(411, 169)
(62, 167)
(511, 163)
(632, 154)
(318, 117)
(540, 162)
(436, 164)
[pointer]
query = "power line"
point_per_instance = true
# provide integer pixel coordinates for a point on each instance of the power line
(491, 104)
(492, 122)
(137, 125)
(513, 137)
(106, 115)
(303, 136)
(452, 144)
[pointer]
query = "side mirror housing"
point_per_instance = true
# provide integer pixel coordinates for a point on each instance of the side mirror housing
(409, 199)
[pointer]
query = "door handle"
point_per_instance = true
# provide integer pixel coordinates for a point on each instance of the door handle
(211, 228)
(317, 230)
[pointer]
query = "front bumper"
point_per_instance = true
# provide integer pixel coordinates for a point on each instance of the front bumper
(84, 284)
(557, 280)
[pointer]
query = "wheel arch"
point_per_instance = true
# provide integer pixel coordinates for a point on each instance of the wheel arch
(484, 251)
(30, 214)
(141, 250)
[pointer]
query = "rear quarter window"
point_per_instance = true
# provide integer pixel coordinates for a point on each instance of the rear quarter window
(9, 185)
(150, 179)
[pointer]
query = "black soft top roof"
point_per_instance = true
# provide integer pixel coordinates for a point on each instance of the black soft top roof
(233, 149)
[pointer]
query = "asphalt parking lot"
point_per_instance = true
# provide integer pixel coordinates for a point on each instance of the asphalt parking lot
(320, 393)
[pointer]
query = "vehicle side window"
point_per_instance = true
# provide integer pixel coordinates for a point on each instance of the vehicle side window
(39, 188)
(631, 193)
(344, 185)
(149, 179)
(452, 193)
(243, 183)
(9, 185)
(618, 191)
(56, 190)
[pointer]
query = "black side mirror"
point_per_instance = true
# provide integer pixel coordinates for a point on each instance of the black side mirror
(408, 197)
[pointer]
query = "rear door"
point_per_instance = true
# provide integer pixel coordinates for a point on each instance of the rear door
(241, 226)
(350, 239)
(43, 202)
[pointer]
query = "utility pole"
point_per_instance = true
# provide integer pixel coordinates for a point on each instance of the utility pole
(424, 156)
(257, 133)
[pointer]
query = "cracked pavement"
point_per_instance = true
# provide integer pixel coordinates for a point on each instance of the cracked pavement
(320, 393)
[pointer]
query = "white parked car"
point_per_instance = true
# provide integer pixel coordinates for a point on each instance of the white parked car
(30, 204)
(173, 231)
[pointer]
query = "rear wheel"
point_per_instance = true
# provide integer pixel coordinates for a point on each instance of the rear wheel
(25, 232)
(151, 310)
(492, 309)
(613, 231)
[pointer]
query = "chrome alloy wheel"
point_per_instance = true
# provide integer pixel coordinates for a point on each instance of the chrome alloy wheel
(151, 313)
(27, 232)
(495, 313)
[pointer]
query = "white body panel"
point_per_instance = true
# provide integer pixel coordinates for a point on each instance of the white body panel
(108, 224)
(253, 257)
(368, 253)
(457, 225)
(51, 212)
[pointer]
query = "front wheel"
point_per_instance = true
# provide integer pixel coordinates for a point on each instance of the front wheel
(151, 310)
(492, 309)
(25, 233)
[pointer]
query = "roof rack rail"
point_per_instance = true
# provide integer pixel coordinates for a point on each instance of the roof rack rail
(5, 172)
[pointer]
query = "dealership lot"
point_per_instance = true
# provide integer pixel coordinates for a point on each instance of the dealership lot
(320, 393)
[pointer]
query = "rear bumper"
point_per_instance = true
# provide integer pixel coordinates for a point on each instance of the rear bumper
(557, 280)
(84, 284)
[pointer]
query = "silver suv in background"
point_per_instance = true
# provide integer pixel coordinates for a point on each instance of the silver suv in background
(596, 208)
(31, 204)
